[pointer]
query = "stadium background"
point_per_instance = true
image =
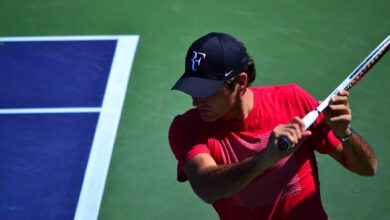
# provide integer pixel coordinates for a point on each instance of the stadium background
(312, 43)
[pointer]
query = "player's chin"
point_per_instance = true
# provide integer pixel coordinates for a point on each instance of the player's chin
(208, 116)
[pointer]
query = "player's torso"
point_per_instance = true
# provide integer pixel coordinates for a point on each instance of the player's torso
(233, 142)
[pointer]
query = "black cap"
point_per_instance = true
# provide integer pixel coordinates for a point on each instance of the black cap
(210, 61)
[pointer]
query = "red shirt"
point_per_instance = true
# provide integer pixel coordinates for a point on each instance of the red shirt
(287, 190)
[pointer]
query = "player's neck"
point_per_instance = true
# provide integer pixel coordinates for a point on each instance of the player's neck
(242, 107)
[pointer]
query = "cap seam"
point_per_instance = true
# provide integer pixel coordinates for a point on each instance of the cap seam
(223, 53)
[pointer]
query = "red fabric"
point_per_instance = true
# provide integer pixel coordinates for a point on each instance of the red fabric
(287, 190)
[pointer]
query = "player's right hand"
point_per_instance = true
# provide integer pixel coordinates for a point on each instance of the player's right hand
(293, 131)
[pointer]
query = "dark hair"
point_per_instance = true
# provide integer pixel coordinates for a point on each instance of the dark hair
(250, 71)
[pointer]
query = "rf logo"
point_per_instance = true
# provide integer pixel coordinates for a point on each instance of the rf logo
(198, 57)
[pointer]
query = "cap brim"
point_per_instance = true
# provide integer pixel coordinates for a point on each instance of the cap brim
(197, 87)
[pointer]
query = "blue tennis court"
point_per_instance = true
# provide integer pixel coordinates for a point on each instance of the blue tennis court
(60, 105)
(56, 124)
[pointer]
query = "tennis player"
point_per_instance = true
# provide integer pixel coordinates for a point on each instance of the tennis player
(226, 145)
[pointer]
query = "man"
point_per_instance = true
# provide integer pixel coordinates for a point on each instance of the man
(226, 146)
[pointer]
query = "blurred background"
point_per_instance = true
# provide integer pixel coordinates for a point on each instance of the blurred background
(315, 44)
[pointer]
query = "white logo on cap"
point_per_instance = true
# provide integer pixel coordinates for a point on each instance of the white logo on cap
(228, 73)
(195, 61)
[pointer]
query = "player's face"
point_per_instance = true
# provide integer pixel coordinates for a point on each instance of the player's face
(216, 106)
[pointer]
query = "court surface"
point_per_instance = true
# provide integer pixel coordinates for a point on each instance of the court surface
(313, 44)
(61, 99)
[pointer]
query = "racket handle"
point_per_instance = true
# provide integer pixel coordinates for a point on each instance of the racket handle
(284, 143)
(310, 118)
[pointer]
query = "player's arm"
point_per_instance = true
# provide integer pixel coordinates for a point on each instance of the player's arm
(355, 153)
(212, 182)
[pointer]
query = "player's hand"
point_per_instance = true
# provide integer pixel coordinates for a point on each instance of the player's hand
(293, 131)
(338, 114)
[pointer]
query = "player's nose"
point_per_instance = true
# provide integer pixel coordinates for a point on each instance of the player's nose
(196, 102)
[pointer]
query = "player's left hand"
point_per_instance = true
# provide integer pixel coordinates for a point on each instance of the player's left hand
(338, 114)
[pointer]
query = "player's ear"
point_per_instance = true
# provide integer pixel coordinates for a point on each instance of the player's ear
(243, 80)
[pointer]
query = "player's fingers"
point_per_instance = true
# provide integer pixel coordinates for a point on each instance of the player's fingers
(296, 127)
(286, 131)
(340, 100)
(339, 108)
(343, 93)
(299, 122)
(296, 142)
(296, 130)
(306, 134)
(340, 118)
(292, 139)
(293, 132)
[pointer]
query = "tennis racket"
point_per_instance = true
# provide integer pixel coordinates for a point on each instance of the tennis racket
(352, 79)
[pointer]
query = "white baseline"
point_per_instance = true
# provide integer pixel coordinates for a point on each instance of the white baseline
(49, 110)
(99, 160)
(103, 143)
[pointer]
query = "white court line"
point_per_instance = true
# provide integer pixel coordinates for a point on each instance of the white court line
(106, 130)
(49, 110)
(64, 38)
(99, 160)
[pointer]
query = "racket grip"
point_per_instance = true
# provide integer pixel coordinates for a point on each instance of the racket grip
(310, 118)
(284, 143)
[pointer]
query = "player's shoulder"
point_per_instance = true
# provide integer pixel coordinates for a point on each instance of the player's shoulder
(190, 115)
(285, 89)
(188, 119)
(188, 129)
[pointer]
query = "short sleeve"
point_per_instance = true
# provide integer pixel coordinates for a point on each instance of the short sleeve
(186, 141)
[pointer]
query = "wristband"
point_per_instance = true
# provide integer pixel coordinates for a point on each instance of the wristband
(348, 137)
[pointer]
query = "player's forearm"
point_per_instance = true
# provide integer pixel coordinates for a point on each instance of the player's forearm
(224, 181)
(359, 157)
